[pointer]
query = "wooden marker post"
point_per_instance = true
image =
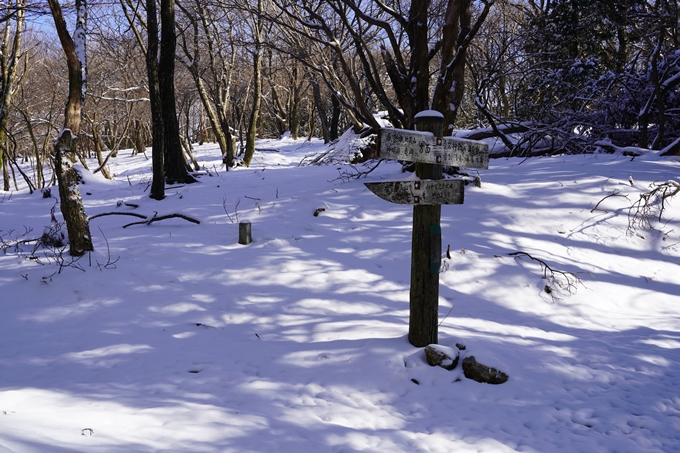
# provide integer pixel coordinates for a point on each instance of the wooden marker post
(244, 233)
(426, 247)
(430, 150)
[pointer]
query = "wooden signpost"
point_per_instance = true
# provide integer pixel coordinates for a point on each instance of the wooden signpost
(430, 151)
(425, 147)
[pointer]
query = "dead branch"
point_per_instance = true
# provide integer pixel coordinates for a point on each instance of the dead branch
(106, 160)
(16, 243)
(51, 245)
(562, 279)
(156, 218)
(133, 214)
(109, 264)
(613, 194)
(356, 172)
(226, 211)
(148, 220)
(645, 207)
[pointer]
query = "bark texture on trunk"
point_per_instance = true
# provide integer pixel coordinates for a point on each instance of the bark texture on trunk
(257, 90)
(175, 164)
(157, 145)
(79, 238)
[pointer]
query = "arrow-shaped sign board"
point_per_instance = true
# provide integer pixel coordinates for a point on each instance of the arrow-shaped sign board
(424, 147)
(422, 192)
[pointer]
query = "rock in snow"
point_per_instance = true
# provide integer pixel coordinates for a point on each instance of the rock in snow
(442, 356)
(482, 373)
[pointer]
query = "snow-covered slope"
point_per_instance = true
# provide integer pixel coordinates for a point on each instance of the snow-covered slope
(172, 337)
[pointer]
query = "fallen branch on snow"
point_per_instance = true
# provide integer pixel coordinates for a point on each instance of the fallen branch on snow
(613, 194)
(148, 220)
(641, 211)
(563, 279)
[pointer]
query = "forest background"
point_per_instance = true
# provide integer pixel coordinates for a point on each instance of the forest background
(567, 76)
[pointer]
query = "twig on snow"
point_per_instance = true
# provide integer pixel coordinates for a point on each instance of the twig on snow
(156, 218)
(613, 194)
(562, 279)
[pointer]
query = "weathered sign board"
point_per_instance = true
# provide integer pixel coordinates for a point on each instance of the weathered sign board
(420, 192)
(424, 147)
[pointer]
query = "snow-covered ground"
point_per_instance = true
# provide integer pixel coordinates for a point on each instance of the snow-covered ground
(172, 337)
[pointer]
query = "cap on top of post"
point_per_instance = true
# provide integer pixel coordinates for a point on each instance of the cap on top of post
(430, 121)
(429, 115)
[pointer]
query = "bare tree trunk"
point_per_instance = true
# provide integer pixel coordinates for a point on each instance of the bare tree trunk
(419, 76)
(77, 70)
(71, 203)
(335, 118)
(257, 89)
(9, 57)
(458, 34)
(294, 102)
(157, 143)
(80, 240)
(98, 148)
(5, 172)
(175, 167)
(321, 111)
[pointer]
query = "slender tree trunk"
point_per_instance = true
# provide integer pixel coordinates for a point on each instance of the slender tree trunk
(9, 56)
(98, 148)
(257, 89)
(71, 203)
(214, 120)
(294, 102)
(321, 111)
(77, 70)
(335, 118)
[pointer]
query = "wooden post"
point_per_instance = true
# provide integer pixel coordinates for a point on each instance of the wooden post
(244, 233)
(426, 249)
